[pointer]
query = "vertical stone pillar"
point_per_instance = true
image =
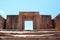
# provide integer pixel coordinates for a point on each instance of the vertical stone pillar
(34, 23)
(38, 22)
(20, 22)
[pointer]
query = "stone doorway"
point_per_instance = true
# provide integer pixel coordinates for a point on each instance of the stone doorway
(24, 16)
(28, 25)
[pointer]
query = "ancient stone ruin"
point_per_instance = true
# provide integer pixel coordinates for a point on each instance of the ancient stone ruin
(44, 28)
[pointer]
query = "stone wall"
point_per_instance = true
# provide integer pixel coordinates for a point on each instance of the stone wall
(11, 22)
(39, 21)
(46, 21)
(2, 20)
(32, 16)
(57, 22)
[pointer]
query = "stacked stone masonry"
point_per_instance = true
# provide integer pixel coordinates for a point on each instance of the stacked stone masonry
(2, 21)
(39, 21)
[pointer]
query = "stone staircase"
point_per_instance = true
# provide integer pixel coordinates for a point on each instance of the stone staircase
(30, 35)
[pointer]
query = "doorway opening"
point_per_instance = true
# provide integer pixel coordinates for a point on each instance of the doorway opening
(28, 25)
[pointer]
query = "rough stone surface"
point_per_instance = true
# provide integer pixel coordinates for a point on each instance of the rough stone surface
(57, 22)
(47, 21)
(1, 22)
(39, 21)
(34, 16)
(11, 22)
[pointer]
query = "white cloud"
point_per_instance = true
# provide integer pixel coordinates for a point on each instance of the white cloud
(1, 11)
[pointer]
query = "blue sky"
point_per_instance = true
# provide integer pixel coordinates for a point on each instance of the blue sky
(45, 7)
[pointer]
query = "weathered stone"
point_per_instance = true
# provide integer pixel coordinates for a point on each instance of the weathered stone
(57, 22)
(11, 22)
(47, 21)
(1, 22)
(34, 16)
(39, 21)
